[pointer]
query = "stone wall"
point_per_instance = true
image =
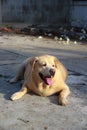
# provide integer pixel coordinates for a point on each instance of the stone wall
(36, 11)
(79, 14)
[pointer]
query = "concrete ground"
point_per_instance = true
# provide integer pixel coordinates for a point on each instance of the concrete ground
(33, 112)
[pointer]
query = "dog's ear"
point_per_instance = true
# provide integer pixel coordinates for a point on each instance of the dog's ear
(33, 61)
(56, 61)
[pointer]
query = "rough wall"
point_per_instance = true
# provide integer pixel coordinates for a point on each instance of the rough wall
(36, 11)
(0, 13)
(79, 14)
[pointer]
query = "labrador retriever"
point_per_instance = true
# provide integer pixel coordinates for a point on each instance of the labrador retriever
(44, 75)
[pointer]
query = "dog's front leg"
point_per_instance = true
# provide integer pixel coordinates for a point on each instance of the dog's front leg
(19, 94)
(63, 96)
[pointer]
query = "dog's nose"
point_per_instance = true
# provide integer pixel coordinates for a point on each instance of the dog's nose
(52, 72)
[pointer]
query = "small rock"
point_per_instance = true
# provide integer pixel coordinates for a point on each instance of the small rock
(40, 37)
(64, 36)
(33, 29)
(75, 42)
(67, 40)
(83, 31)
(56, 38)
(60, 38)
(82, 37)
(50, 34)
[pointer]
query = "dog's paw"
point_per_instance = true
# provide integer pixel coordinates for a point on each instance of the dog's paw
(16, 96)
(63, 101)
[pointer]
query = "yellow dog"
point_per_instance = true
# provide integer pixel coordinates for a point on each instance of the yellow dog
(45, 75)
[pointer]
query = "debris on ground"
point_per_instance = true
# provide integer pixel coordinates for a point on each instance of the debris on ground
(61, 34)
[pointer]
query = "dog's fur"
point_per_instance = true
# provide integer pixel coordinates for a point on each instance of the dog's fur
(45, 75)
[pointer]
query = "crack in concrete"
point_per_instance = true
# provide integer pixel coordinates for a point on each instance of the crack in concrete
(13, 52)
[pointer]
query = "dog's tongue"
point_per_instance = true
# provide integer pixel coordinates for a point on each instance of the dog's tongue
(49, 81)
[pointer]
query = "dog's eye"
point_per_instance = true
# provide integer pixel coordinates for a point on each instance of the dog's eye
(44, 64)
(53, 65)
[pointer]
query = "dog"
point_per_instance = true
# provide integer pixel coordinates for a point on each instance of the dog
(45, 75)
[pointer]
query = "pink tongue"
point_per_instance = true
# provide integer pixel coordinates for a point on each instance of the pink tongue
(49, 81)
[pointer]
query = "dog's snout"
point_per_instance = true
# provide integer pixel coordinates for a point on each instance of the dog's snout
(52, 72)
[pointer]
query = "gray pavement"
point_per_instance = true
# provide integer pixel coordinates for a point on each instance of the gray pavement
(33, 112)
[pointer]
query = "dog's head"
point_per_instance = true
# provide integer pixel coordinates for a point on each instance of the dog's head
(45, 68)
